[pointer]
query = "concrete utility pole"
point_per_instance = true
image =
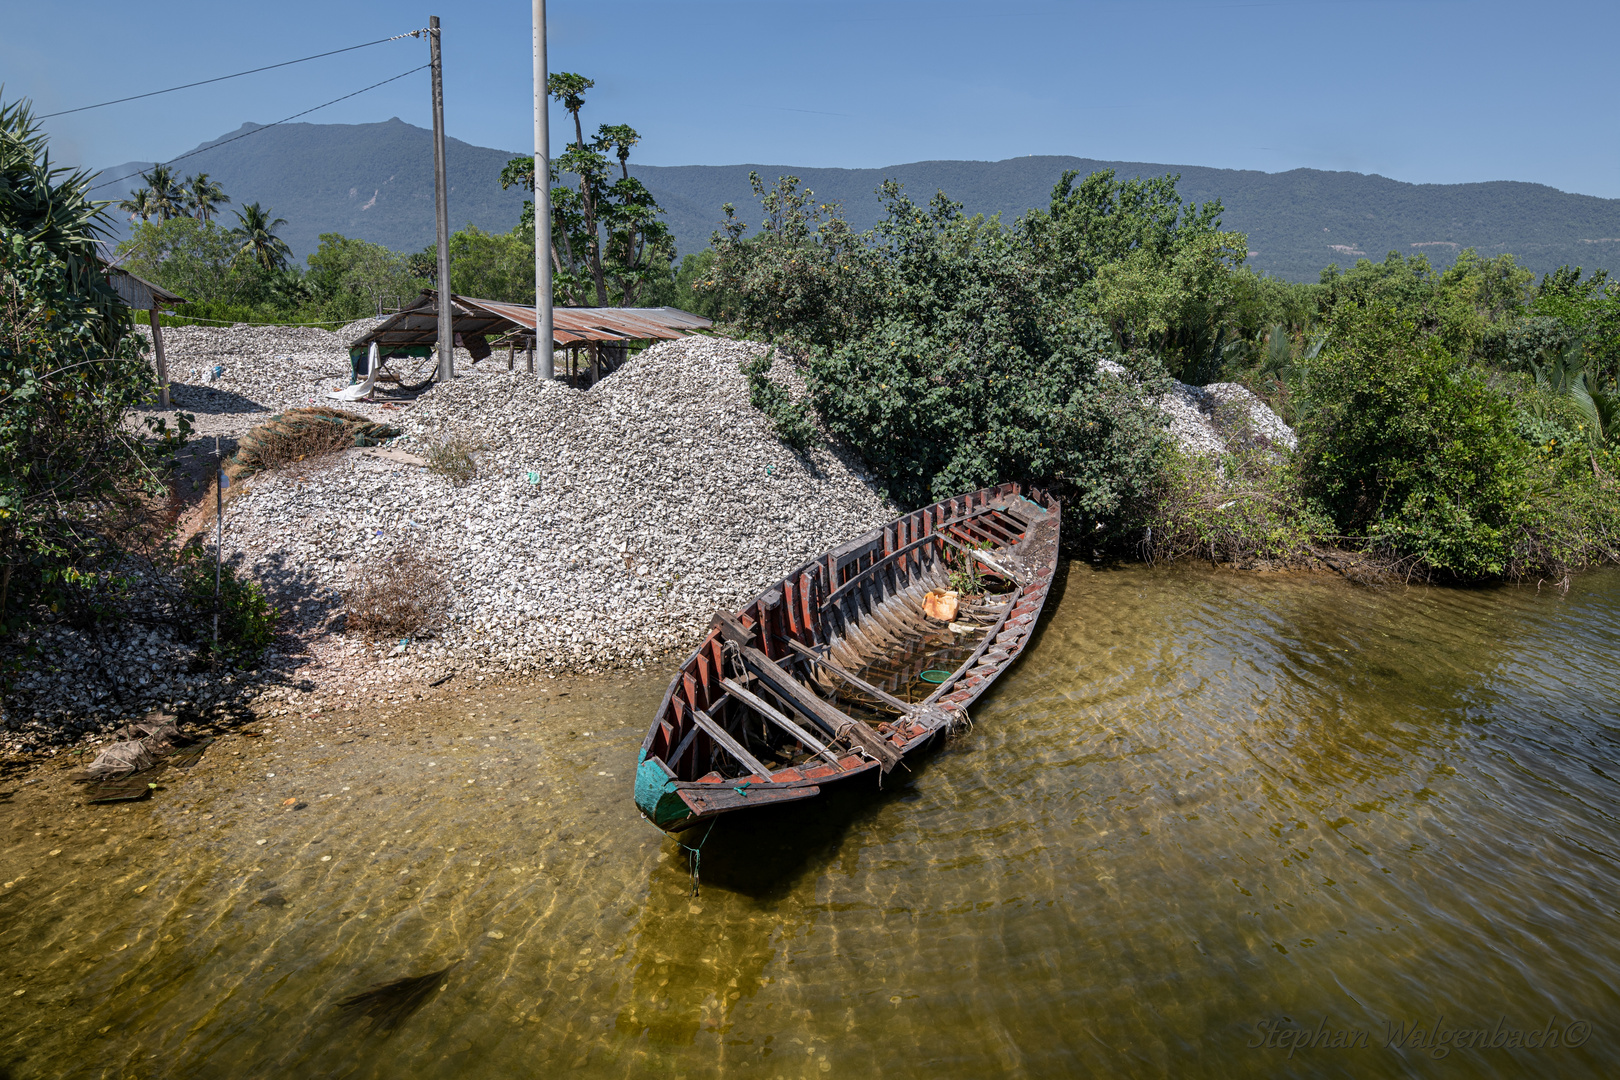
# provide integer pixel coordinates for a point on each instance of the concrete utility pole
(542, 198)
(441, 193)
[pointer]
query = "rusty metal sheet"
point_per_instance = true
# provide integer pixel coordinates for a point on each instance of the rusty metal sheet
(417, 322)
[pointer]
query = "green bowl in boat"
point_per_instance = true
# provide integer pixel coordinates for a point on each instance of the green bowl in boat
(934, 675)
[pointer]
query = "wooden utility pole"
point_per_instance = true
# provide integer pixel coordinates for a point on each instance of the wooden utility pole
(542, 199)
(441, 192)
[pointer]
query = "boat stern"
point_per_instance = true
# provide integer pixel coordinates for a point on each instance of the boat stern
(656, 796)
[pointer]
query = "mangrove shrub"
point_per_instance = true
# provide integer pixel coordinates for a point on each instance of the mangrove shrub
(932, 347)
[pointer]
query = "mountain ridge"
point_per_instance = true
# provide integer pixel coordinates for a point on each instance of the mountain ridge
(375, 181)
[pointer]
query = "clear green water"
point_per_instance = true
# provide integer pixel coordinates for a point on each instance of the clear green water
(1204, 802)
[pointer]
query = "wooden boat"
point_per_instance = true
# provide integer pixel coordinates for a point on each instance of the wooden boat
(819, 679)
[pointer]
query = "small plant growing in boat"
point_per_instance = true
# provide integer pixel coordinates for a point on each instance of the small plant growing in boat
(968, 577)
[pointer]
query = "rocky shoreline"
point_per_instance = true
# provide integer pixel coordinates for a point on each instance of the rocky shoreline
(601, 530)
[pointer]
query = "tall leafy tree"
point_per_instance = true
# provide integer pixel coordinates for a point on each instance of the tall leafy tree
(203, 197)
(932, 347)
(197, 259)
(607, 236)
(638, 247)
(51, 205)
(256, 234)
(590, 165)
(1156, 269)
(353, 278)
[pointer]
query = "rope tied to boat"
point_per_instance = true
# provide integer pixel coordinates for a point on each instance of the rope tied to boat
(694, 856)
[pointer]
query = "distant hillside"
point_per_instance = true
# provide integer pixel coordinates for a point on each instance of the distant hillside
(376, 181)
(1297, 222)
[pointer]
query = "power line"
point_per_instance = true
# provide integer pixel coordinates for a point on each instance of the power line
(238, 75)
(266, 127)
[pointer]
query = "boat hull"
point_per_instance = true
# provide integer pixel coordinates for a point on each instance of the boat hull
(818, 680)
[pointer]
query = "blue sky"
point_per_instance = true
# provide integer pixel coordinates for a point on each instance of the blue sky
(1434, 92)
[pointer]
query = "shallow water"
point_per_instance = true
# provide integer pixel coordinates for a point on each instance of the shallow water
(1204, 803)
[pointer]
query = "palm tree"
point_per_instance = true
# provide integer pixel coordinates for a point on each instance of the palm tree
(166, 198)
(258, 236)
(139, 205)
(203, 197)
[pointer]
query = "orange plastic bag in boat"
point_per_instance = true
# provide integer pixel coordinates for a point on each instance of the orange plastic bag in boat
(941, 604)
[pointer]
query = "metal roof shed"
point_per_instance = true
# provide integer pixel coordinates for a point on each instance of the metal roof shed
(142, 295)
(414, 329)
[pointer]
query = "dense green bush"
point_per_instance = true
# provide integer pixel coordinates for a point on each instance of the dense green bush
(493, 266)
(1418, 453)
(72, 472)
(1248, 507)
(966, 373)
(247, 619)
(789, 417)
(933, 349)
(355, 279)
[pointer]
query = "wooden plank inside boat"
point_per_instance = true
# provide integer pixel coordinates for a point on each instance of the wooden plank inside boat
(817, 680)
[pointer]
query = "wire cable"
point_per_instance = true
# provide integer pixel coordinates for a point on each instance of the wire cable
(238, 75)
(266, 127)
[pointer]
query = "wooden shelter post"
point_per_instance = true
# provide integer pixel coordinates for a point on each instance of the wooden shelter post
(162, 361)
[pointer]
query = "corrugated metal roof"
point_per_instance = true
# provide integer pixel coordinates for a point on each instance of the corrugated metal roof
(418, 322)
(139, 293)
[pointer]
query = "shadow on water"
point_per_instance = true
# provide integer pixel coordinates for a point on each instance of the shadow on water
(384, 1007)
(765, 854)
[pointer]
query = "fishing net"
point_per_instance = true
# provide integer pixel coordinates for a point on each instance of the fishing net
(120, 759)
(126, 769)
(301, 435)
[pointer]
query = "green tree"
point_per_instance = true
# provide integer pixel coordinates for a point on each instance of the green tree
(424, 264)
(256, 232)
(1411, 448)
(1176, 303)
(681, 287)
(51, 205)
(1589, 310)
(164, 193)
(493, 266)
(351, 278)
(963, 371)
(203, 197)
(1104, 220)
(931, 346)
(139, 205)
(1157, 270)
(799, 280)
(70, 371)
(607, 236)
(197, 259)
